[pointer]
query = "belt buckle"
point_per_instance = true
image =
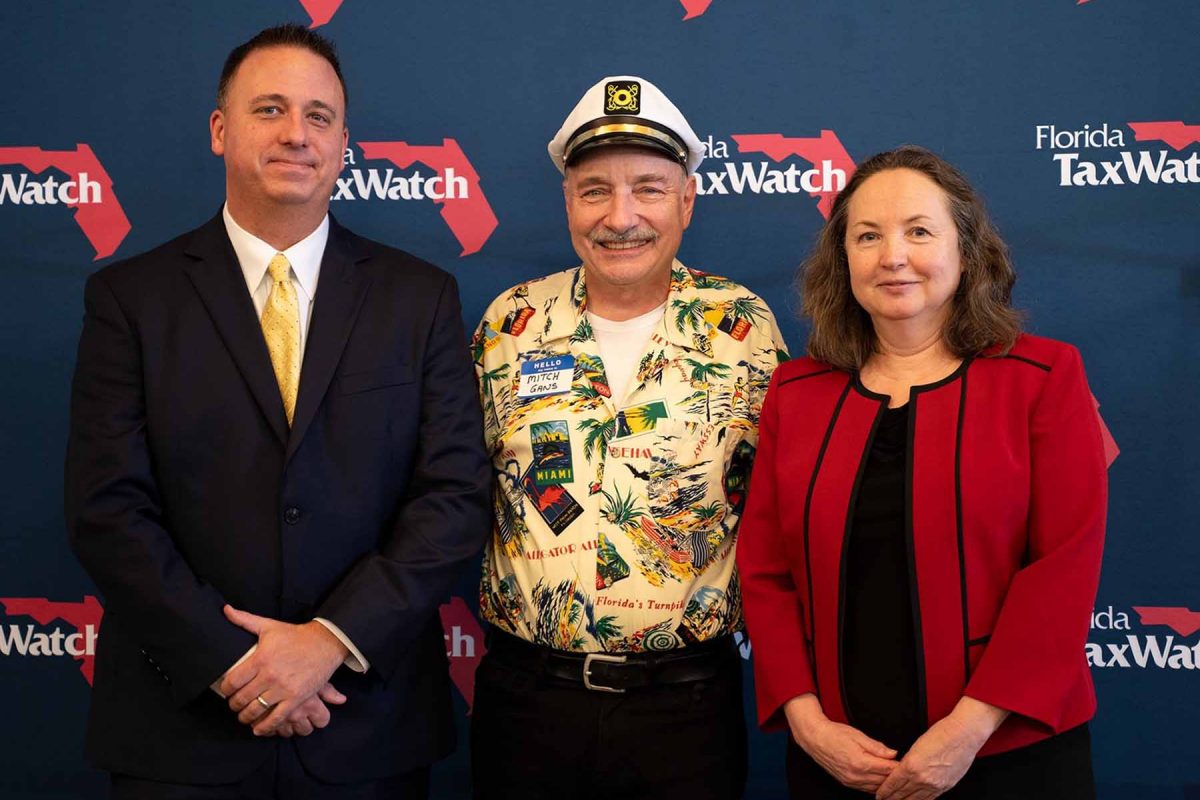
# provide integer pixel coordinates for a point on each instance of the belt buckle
(587, 671)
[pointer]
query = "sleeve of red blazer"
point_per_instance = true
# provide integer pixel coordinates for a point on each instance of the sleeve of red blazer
(388, 597)
(1035, 657)
(772, 602)
(114, 513)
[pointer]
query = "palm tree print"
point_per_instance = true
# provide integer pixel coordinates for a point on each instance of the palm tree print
(621, 511)
(701, 375)
(605, 628)
(599, 431)
(586, 391)
(703, 280)
(640, 419)
(583, 331)
(749, 309)
(689, 314)
(485, 383)
(713, 511)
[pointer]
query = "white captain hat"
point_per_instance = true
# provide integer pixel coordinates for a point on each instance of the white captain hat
(626, 110)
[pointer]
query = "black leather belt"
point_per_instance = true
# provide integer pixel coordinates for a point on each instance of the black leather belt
(616, 672)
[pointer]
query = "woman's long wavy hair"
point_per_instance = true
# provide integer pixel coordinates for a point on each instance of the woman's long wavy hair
(981, 315)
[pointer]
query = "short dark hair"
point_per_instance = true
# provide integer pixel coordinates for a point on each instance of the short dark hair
(982, 315)
(289, 35)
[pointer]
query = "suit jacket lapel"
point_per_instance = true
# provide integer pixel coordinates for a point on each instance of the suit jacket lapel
(222, 287)
(341, 289)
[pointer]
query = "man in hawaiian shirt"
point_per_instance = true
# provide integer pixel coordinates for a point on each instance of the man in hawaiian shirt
(621, 402)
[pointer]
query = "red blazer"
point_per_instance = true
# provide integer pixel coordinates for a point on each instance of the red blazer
(1006, 508)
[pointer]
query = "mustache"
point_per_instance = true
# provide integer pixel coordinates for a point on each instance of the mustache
(605, 236)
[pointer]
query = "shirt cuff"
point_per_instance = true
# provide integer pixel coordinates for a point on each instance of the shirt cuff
(356, 661)
(216, 685)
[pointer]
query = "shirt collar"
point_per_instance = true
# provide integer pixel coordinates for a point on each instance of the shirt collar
(254, 254)
(682, 296)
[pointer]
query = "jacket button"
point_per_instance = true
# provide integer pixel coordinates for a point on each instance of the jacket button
(291, 516)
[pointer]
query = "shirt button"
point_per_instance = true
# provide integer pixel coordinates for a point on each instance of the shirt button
(291, 516)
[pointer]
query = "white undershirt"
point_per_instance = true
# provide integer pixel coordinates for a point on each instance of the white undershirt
(621, 347)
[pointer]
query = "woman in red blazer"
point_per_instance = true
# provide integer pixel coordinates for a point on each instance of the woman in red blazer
(921, 545)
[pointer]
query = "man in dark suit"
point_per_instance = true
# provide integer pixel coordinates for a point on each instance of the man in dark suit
(274, 484)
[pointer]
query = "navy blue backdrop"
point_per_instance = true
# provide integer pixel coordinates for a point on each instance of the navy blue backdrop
(1079, 120)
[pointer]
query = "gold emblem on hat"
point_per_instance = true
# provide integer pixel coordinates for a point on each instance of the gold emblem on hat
(622, 98)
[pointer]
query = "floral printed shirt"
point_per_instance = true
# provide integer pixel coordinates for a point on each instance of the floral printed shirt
(615, 520)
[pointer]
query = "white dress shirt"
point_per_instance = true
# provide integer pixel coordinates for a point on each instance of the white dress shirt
(253, 255)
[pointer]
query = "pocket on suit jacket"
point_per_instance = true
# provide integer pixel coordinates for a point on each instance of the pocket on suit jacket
(367, 380)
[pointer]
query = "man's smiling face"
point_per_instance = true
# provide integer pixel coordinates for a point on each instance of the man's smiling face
(282, 132)
(627, 208)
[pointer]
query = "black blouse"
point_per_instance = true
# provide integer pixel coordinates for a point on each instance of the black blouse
(878, 658)
(879, 667)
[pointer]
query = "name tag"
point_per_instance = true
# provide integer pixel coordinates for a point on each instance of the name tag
(547, 376)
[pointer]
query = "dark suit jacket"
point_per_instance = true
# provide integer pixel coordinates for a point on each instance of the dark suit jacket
(186, 490)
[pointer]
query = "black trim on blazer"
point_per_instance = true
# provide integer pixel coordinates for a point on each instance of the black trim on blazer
(1037, 364)
(958, 520)
(959, 371)
(842, 565)
(806, 375)
(913, 393)
(914, 590)
(856, 381)
(812, 484)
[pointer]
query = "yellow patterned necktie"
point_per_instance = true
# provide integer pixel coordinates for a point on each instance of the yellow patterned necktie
(281, 329)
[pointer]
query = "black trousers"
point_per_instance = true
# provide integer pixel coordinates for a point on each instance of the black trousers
(281, 777)
(1058, 768)
(540, 737)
